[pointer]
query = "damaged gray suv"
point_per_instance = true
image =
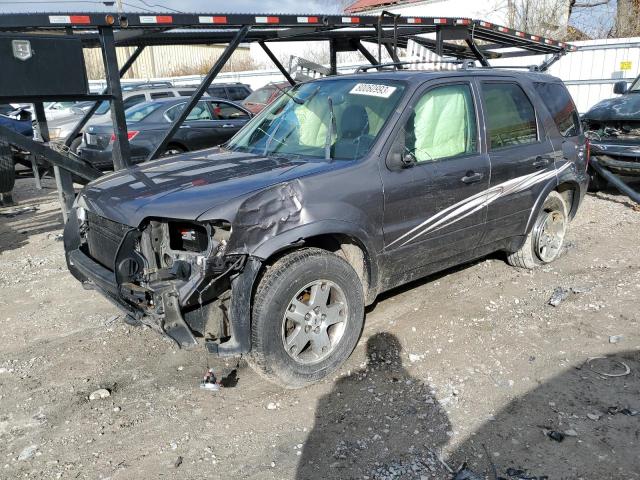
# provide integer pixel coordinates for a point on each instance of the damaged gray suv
(271, 245)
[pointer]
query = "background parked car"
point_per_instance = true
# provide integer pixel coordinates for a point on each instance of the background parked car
(210, 123)
(6, 108)
(231, 91)
(613, 127)
(61, 127)
(263, 96)
(20, 121)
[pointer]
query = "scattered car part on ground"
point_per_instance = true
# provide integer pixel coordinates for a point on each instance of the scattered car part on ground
(612, 364)
(277, 240)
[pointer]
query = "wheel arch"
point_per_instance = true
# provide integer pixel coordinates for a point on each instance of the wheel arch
(177, 143)
(340, 238)
(568, 189)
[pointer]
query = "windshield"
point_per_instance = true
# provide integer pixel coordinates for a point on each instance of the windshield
(635, 86)
(332, 119)
(261, 95)
(140, 111)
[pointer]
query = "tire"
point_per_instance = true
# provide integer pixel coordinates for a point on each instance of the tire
(275, 320)
(545, 241)
(7, 169)
(172, 150)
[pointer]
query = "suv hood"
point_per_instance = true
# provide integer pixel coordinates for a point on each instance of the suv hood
(186, 186)
(623, 108)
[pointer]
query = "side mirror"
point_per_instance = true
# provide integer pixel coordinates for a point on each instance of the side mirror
(398, 158)
(620, 88)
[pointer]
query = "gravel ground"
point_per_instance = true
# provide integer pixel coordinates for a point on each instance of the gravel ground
(472, 365)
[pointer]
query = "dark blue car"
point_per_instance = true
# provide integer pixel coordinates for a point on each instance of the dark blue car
(18, 120)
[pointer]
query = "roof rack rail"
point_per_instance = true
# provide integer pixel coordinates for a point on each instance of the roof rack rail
(399, 65)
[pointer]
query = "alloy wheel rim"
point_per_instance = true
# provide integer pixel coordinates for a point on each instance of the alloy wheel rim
(314, 322)
(549, 235)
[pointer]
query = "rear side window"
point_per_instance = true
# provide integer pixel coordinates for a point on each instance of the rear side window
(237, 93)
(559, 103)
(133, 100)
(199, 112)
(224, 111)
(511, 119)
(219, 92)
(161, 95)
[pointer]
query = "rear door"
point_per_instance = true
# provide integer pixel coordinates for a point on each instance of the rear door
(522, 157)
(435, 209)
(568, 140)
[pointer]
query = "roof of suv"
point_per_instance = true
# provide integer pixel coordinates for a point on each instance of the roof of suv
(419, 75)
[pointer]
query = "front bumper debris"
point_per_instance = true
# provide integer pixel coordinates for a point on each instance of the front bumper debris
(198, 298)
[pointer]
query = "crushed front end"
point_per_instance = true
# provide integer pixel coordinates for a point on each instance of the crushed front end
(616, 144)
(171, 275)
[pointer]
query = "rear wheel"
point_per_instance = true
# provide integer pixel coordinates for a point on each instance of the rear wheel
(307, 317)
(546, 239)
(172, 150)
(7, 169)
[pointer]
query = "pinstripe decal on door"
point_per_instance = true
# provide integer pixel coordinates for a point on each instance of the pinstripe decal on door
(469, 206)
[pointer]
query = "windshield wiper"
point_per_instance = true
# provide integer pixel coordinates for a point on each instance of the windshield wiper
(283, 91)
(330, 129)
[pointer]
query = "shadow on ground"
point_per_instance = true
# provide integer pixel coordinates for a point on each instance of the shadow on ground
(31, 214)
(596, 415)
(380, 423)
(377, 422)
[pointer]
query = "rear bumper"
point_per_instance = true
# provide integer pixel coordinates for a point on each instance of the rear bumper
(103, 159)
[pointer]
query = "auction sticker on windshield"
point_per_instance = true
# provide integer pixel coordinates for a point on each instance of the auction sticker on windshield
(373, 89)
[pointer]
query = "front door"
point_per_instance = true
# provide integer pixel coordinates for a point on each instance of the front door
(434, 206)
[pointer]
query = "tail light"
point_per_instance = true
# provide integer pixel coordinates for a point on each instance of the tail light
(130, 135)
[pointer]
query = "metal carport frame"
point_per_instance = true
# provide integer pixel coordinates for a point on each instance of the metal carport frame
(461, 38)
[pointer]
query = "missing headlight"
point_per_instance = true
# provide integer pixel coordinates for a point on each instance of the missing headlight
(188, 237)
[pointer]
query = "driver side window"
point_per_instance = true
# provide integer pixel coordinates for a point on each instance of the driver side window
(442, 125)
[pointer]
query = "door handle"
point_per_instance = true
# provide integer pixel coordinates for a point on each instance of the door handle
(185, 126)
(472, 177)
(228, 125)
(541, 161)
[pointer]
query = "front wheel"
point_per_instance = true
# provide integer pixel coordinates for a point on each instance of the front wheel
(308, 313)
(546, 239)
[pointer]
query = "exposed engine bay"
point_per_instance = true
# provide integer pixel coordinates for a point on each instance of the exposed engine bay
(175, 274)
(619, 130)
(616, 144)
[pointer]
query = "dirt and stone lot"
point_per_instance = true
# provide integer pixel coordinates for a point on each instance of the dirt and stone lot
(472, 365)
